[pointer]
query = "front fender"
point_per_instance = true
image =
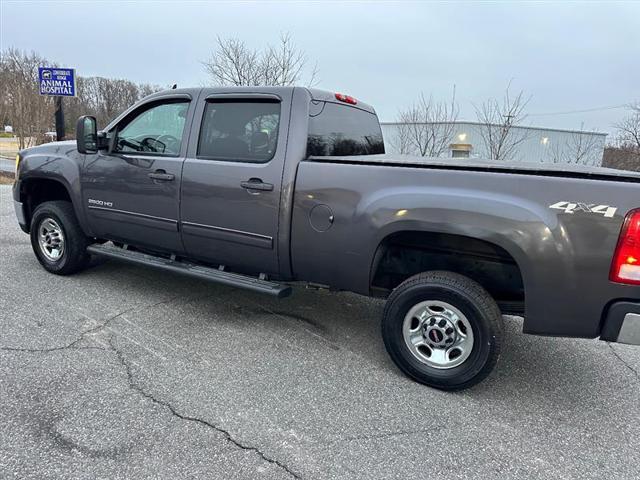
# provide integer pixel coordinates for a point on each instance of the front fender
(59, 162)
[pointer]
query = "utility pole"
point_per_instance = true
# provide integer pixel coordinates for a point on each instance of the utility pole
(59, 120)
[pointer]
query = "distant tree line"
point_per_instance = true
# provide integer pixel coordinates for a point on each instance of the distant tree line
(31, 114)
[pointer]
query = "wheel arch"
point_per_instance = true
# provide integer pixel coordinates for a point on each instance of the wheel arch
(34, 191)
(495, 263)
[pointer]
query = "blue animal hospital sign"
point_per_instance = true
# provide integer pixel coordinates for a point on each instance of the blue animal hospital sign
(59, 82)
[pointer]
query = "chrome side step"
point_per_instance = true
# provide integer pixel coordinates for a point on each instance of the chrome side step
(211, 274)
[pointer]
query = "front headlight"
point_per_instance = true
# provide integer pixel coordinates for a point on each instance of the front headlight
(17, 164)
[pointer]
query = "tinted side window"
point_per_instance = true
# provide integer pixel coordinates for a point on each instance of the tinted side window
(156, 130)
(342, 130)
(244, 131)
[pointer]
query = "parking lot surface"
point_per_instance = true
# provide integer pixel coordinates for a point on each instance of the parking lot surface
(7, 165)
(124, 372)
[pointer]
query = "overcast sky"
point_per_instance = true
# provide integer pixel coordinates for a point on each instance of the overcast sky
(569, 56)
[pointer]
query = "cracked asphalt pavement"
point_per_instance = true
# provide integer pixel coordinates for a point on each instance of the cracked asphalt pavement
(124, 372)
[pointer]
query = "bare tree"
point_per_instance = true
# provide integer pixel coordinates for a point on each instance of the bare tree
(234, 63)
(30, 113)
(629, 129)
(427, 127)
(497, 120)
(579, 148)
(5, 103)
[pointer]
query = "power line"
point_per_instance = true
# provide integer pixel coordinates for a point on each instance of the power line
(597, 109)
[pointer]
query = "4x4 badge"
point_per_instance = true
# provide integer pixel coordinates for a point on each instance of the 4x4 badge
(574, 207)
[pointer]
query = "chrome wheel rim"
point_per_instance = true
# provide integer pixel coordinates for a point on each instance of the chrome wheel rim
(438, 334)
(51, 239)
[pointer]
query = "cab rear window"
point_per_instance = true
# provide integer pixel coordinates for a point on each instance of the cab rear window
(342, 130)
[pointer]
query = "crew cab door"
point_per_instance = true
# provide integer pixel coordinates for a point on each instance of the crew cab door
(231, 180)
(132, 192)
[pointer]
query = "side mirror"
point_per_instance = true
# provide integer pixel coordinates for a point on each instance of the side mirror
(87, 134)
(103, 140)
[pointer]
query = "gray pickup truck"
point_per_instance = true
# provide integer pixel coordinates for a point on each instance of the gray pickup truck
(262, 187)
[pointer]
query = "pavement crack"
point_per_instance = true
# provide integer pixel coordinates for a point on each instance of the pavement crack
(134, 385)
(623, 361)
(95, 329)
(102, 325)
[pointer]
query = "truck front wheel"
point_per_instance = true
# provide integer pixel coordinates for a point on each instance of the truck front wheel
(442, 329)
(57, 239)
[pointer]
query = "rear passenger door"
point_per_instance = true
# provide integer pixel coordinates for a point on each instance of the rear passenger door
(231, 180)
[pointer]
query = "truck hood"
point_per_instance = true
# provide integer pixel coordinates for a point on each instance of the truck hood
(531, 168)
(58, 148)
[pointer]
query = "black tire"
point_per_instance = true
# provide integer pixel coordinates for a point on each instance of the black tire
(74, 256)
(468, 297)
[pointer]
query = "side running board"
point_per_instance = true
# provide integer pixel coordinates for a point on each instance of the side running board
(198, 271)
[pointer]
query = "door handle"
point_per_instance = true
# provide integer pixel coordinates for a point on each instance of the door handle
(162, 175)
(257, 184)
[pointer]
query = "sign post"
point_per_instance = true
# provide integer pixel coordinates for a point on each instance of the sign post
(57, 82)
(59, 115)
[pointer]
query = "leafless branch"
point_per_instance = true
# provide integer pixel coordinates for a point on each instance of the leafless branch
(498, 119)
(30, 113)
(427, 127)
(629, 129)
(578, 148)
(233, 63)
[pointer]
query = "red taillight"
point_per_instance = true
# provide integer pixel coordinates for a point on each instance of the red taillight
(626, 262)
(346, 99)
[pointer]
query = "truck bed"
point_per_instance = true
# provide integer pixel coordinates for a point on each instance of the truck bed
(522, 208)
(474, 164)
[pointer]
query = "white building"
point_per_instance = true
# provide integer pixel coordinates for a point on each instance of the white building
(534, 144)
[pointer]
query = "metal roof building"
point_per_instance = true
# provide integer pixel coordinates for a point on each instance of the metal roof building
(534, 144)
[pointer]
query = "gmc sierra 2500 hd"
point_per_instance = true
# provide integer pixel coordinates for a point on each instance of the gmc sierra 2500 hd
(260, 187)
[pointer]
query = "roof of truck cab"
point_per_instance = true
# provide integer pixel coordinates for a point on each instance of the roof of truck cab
(314, 93)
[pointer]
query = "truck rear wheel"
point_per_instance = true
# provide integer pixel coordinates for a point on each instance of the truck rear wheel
(442, 329)
(57, 239)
